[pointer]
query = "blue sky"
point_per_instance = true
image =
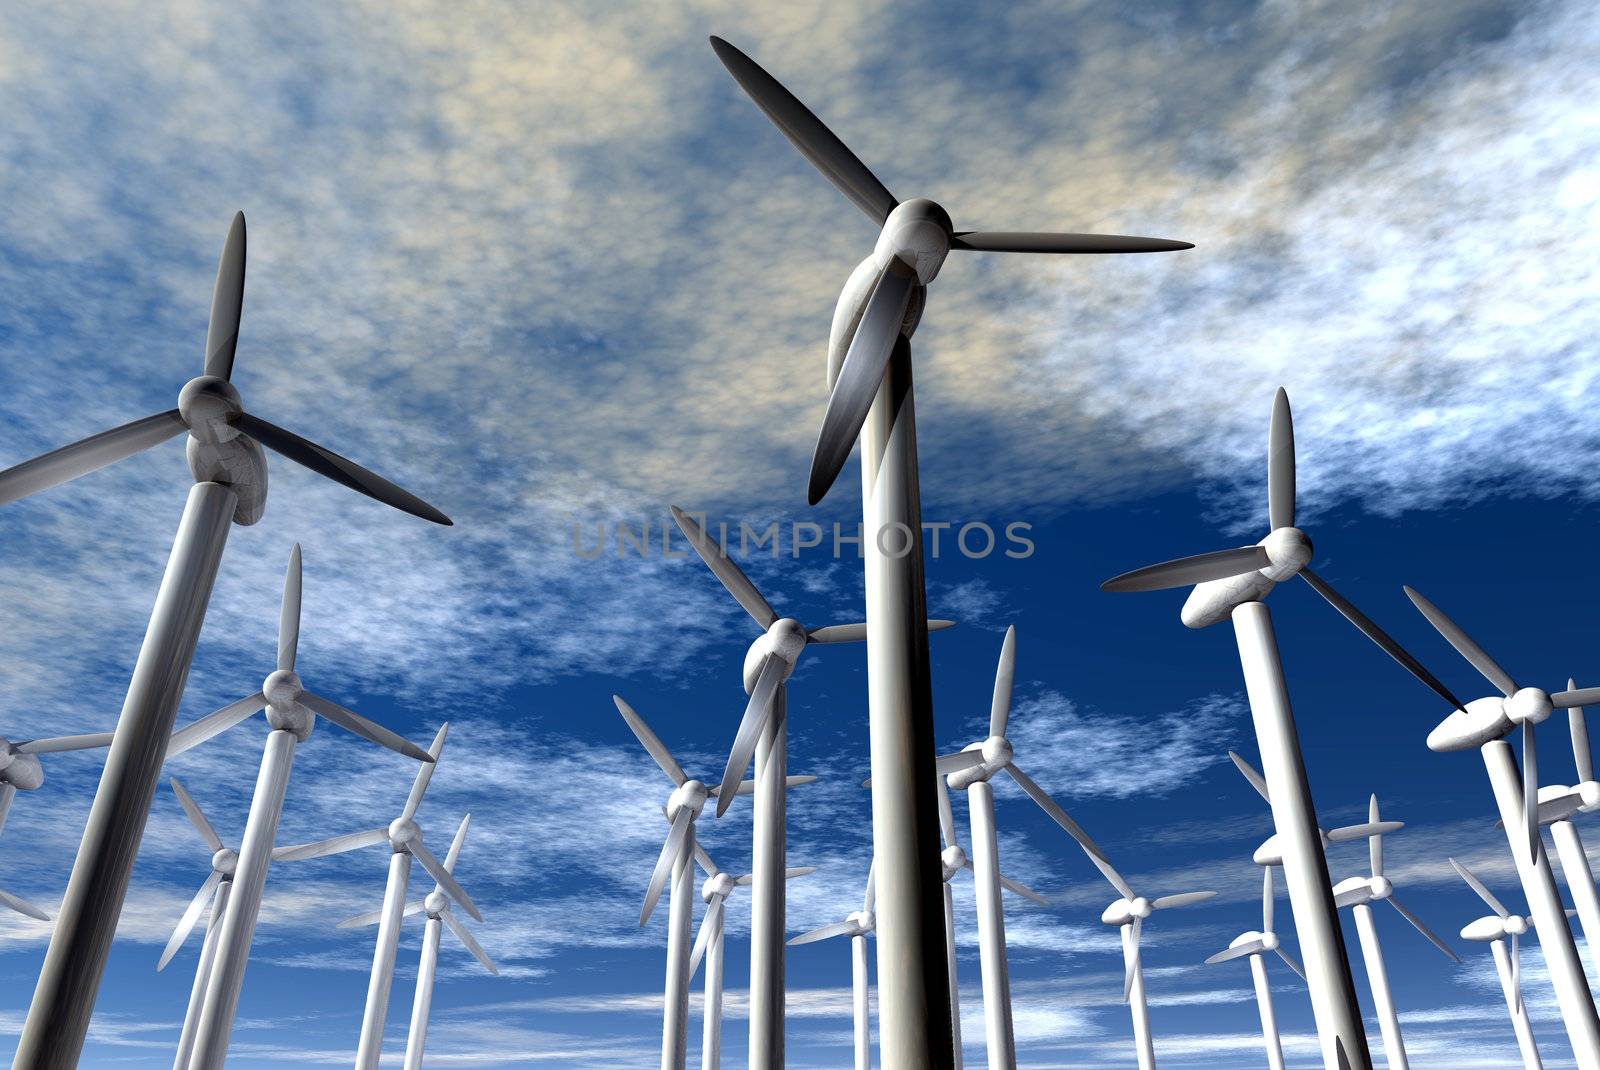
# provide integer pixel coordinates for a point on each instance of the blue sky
(546, 266)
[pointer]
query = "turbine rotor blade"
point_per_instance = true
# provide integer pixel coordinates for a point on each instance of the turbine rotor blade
(1005, 675)
(840, 633)
(1375, 842)
(871, 896)
(1014, 241)
(64, 743)
(1130, 956)
(756, 714)
(443, 878)
(710, 923)
(419, 784)
(954, 763)
(191, 915)
(947, 817)
(1237, 952)
(334, 845)
(1530, 790)
(22, 906)
(652, 743)
(723, 567)
(454, 853)
(1280, 463)
(827, 932)
(1250, 773)
(1575, 696)
(88, 455)
(197, 817)
(351, 721)
(1023, 890)
(1182, 899)
(676, 837)
(1382, 638)
(1288, 960)
(702, 857)
(1582, 755)
(865, 362)
(1456, 637)
(1483, 891)
(1416, 923)
(1267, 897)
(807, 133)
(1183, 571)
(1365, 830)
(289, 613)
(469, 942)
(1516, 969)
(227, 302)
(341, 470)
(1073, 829)
(213, 724)
(372, 917)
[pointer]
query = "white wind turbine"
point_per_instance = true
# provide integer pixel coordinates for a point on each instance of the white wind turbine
(857, 925)
(1359, 893)
(1270, 853)
(404, 838)
(971, 769)
(291, 714)
(1493, 930)
(1231, 584)
(1255, 944)
(1484, 723)
(870, 380)
(436, 907)
(763, 737)
(716, 889)
(230, 487)
(20, 769)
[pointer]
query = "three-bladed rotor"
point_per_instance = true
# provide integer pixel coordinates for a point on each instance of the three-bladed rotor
(715, 892)
(861, 922)
(224, 860)
(1501, 925)
(1376, 887)
(1261, 941)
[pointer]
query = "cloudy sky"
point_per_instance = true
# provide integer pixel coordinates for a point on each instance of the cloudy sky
(547, 267)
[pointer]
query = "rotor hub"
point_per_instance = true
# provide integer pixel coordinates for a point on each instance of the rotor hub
(1589, 792)
(1529, 705)
(863, 920)
(1270, 941)
(282, 688)
(691, 794)
(1382, 887)
(954, 860)
(718, 884)
(208, 404)
(435, 903)
(917, 233)
(1289, 550)
(403, 831)
(22, 771)
(996, 752)
(1140, 907)
(1515, 925)
(225, 861)
(784, 640)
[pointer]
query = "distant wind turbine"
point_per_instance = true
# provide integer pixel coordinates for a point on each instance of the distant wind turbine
(858, 925)
(1493, 930)
(1256, 944)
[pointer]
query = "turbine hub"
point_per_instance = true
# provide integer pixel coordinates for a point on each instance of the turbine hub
(1515, 925)
(954, 860)
(435, 903)
(284, 712)
(783, 640)
(917, 233)
(403, 830)
(1289, 550)
(1589, 792)
(207, 403)
(22, 771)
(282, 688)
(718, 884)
(863, 920)
(1270, 941)
(996, 752)
(1382, 887)
(1140, 907)
(1529, 705)
(691, 794)
(225, 861)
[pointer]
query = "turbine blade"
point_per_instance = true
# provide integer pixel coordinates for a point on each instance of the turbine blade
(1023, 890)
(191, 915)
(871, 897)
(1580, 696)
(1483, 892)
(723, 567)
(1014, 241)
(1280, 463)
(1073, 829)
(1456, 637)
(334, 845)
(351, 721)
(469, 942)
(1250, 773)
(1516, 969)
(64, 743)
(702, 857)
(709, 924)
(341, 470)
(652, 743)
(1288, 960)
(289, 613)
(807, 133)
(88, 455)
(1382, 638)
(22, 906)
(1201, 568)
(419, 784)
(1416, 923)
(1182, 899)
(676, 837)
(197, 817)
(372, 917)
(1375, 843)
(876, 338)
(827, 932)
(1005, 675)
(792, 872)
(1363, 831)
(227, 302)
(442, 878)
(1237, 952)
(1130, 956)
(857, 633)
(954, 763)
(212, 724)
(1267, 896)
(454, 853)
(1581, 752)
(756, 714)
(947, 817)
(1530, 790)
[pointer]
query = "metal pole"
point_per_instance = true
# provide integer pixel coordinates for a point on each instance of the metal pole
(859, 999)
(767, 891)
(422, 1005)
(202, 971)
(1138, 1010)
(1580, 883)
(378, 984)
(1394, 1045)
(913, 994)
(711, 1035)
(950, 968)
(991, 928)
(675, 1010)
(1549, 915)
(63, 1000)
(1269, 1017)
(239, 920)
(1305, 867)
(1519, 1015)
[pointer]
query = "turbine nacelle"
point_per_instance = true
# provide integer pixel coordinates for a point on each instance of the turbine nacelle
(403, 831)
(22, 771)
(1492, 927)
(691, 795)
(861, 922)
(1124, 911)
(225, 861)
(784, 639)
(717, 886)
(917, 233)
(953, 859)
(283, 689)
(435, 903)
(1481, 721)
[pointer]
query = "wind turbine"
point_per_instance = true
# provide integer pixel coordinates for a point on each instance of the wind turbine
(1232, 584)
(1484, 723)
(869, 378)
(436, 907)
(857, 925)
(971, 769)
(1493, 930)
(714, 892)
(763, 736)
(1128, 913)
(1256, 944)
(20, 769)
(230, 473)
(1270, 853)
(291, 714)
(404, 838)
(1359, 893)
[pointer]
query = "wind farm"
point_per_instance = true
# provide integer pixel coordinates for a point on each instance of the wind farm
(571, 290)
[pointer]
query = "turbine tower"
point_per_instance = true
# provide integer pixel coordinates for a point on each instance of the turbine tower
(716, 889)
(404, 837)
(1359, 893)
(857, 925)
(1232, 584)
(1256, 944)
(291, 713)
(1493, 930)
(763, 736)
(230, 474)
(869, 377)
(1484, 723)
